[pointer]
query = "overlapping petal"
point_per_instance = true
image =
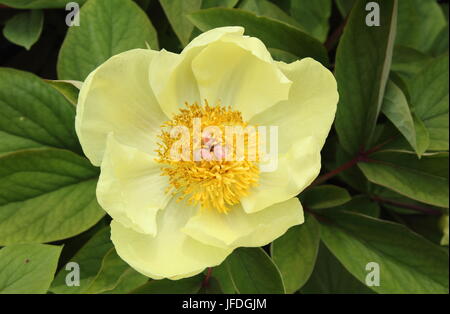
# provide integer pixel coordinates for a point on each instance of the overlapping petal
(219, 65)
(117, 97)
(171, 253)
(237, 228)
(131, 188)
(303, 122)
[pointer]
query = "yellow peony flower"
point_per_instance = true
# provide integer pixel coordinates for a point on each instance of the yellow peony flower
(172, 219)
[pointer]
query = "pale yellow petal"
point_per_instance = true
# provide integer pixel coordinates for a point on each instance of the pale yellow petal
(295, 171)
(171, 253)
(237, 228)
(219, 65)
(310, 109)
(171, 74)
(303, 122)
(239, 72)
(117, 97)
(131, 188)
(213, 35)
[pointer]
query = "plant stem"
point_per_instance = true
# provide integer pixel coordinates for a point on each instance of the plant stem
(334, 37)
(424, 210)
(335, 172)
(361, 157)
(205, 282)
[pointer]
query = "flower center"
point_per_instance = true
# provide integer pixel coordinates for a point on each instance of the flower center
(210, 155)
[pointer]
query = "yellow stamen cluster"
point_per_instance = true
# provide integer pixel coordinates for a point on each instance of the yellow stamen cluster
(216, 183)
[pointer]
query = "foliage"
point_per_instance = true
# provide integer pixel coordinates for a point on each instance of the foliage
(384, 180)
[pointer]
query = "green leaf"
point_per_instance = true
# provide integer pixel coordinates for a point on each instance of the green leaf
(129, 281)
(440, 45)
(324, 196)
(429, 98)
(190, 285)
(111, 271)
(67, 89)
(24, 29)
(407, 62)
(39, 4)
(27, 268)
(345, 6)
(107, 28)
(268, 9)
(33, 114)
(46, 195)
(253, 272)
(361, 204)
(222, 275)
(89, 258)
(176, 12)
(401, 204)
(206, 4)
(408, 263)
(313, 16)
(295, 253)
(396, 108)
(330, 277)
(424, 180)
(419, 23)
(281, 55)
(273, 33)
(213, 287)
(363, 61)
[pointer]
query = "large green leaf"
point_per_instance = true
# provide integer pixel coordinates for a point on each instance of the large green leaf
(424, 180)
(107, 27)
(324, 196)
(222, 275)
(295, 253)
(24, 29)
(89, 258)
(273, 33)
(268, 9)
(330, 277)
(46, 195)
(39, 4)
(407, 62)
(33, 114)
(396, 108)
(345, 6)
(363, 62)
(253, 272)
(27, 268)
(129, 281)
(190, 285)
(110, 275)
(419, 23)
(176, 11)
(429, 97)
(360, 204)
(206, 4)
(67, 89)
(313, 16)
(407, 262)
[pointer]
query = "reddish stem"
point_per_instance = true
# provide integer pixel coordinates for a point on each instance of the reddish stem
(361, 157)
(205, 282)
(334, 37)
(428, 211)
(335, 172)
